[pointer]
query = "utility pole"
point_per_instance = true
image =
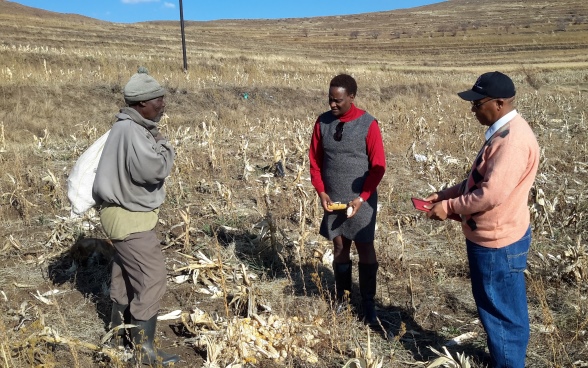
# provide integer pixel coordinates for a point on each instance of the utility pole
(183, 36)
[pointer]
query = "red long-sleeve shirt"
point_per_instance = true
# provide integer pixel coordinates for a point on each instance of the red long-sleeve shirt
(375, 152)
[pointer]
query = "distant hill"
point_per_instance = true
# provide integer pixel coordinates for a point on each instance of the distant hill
(446, 34)
(12, 9)
(462, 13)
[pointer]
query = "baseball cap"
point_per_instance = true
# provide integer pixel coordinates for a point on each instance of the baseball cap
(492, 84)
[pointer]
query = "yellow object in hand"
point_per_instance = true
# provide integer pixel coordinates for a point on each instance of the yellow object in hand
(337, 206)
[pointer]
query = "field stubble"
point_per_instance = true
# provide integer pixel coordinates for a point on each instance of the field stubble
(248, 271)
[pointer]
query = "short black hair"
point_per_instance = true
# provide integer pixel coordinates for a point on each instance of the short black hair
(345, 81)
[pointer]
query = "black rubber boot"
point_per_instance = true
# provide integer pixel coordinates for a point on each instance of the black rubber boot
(367, 288)
(120, 314)
(342, 273)
(143, 336)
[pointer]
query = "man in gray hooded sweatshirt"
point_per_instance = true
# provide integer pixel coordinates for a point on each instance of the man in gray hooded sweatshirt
(129, 187)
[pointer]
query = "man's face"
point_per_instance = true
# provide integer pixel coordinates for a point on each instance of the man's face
(153, 109)
(486, 110)
(339, 101)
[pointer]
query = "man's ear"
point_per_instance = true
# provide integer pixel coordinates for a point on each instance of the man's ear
(499, 103)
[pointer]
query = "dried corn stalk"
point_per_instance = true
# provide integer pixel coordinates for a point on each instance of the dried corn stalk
(261, 337)
(446, 360)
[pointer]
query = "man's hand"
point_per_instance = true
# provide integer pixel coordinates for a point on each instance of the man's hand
(437, 212)
(159, 137)
(433, 198)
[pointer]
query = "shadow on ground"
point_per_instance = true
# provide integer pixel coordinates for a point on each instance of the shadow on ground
(87, 266)
(314, 279)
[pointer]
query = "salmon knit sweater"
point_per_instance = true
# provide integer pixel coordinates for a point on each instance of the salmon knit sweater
(492, 201)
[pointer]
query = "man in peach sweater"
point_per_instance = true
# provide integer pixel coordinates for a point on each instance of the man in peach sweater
(492, 204)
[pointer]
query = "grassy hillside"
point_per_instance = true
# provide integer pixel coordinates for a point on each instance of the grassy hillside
(247, 268)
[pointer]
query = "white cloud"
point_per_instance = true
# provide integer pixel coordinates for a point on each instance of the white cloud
(138, 1)
(169, 5)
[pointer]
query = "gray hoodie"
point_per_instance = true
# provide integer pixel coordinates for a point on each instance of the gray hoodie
(133, 166)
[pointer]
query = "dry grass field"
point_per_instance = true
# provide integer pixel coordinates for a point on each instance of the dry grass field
(250, 280)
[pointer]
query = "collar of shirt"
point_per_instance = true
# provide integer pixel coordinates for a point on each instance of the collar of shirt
(499, 124)
(351, 114)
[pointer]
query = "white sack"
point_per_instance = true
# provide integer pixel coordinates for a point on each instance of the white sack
(81, 178)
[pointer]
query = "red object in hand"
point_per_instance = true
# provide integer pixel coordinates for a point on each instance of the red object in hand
(419, 204)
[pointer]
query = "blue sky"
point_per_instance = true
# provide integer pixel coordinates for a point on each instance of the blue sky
(130, 11)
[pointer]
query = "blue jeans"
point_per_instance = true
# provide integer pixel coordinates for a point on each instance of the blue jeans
(498, 285)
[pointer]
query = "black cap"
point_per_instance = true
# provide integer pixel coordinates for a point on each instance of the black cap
(492, 84)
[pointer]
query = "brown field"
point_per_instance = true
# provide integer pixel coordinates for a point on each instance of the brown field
(247, 268)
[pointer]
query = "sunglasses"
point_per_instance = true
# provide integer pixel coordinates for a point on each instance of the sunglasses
(338, 132)
(477, 104)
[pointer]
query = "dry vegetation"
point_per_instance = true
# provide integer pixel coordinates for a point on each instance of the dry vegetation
(249, 277)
